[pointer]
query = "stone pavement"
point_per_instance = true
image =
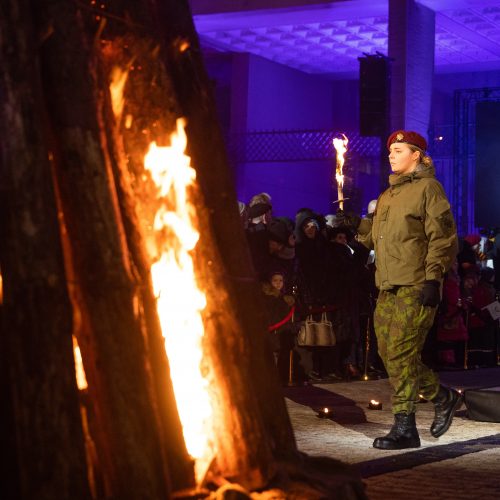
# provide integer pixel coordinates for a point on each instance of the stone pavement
(462, 464)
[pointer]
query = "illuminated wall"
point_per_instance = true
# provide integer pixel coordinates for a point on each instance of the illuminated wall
(269, 96)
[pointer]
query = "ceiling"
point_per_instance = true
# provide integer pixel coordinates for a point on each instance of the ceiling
(327, 36)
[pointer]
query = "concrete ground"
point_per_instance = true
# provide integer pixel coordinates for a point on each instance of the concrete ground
(462, 464)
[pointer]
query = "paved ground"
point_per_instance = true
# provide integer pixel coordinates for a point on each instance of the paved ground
(462, 464)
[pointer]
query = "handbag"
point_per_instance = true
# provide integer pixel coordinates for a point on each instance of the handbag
(316, 333)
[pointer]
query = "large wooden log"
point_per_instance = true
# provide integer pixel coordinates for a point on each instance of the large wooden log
(244, 399)
(241, 435)
(120, 48)
(41, 428)
(132, 448)
(206, 146)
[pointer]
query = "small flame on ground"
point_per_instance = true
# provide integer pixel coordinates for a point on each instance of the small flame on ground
(179, 300)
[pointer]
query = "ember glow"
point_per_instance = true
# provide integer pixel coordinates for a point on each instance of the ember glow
(179, 300)
(340, 145)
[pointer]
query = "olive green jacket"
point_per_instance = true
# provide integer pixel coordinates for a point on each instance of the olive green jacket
(412, 231)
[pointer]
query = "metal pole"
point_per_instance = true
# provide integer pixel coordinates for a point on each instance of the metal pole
(290, 354)
(367, 338)
(466, 352)
(290, 368)
(367, 348)
(497, 339)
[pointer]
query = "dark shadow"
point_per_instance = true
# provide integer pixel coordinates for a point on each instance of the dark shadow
(344, 410)
(394, 463)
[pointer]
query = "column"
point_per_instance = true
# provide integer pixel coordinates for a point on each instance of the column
(411, 46)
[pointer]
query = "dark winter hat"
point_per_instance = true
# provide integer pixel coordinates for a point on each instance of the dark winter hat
(407, 137)
(310, 220)
(278, 231)
(258, 209)
(341, 230)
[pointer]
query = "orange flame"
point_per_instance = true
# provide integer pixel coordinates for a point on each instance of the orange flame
(116, 86)
(179, 300)
(81, 379)
(340, 146)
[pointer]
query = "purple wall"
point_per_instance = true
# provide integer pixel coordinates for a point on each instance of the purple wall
(292, 185)
(345, 104)
(281, 98)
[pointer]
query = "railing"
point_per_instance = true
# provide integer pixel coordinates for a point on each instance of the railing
(296, 145)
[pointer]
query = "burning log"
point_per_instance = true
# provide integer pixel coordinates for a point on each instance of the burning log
(224, 242)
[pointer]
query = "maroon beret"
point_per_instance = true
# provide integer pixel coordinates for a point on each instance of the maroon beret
(408, 137)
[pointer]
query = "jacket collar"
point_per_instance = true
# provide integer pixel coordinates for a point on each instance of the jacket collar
(420, 172)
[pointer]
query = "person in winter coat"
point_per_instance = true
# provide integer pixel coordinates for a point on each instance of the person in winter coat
(468, 254)
(481, 326)
(452, 331)
(266, 243)
(414, 237)
(314, 287)
(494, 254)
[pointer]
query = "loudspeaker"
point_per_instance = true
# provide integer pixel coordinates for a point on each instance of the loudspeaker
(374, 95)
(483, 404)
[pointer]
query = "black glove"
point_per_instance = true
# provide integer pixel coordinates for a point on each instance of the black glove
(349, 219)
(429, 296)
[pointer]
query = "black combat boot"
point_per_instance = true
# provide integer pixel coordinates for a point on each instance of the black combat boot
(403, 434)
(446, 403)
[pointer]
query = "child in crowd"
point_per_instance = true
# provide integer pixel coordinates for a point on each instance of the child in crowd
(279, 309)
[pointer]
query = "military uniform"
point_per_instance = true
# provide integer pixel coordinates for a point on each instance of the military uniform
(414, 237)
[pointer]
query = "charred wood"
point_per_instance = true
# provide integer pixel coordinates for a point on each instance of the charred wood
(39, 388)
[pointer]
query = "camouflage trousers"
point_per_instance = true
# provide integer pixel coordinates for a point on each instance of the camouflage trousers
(401, 326)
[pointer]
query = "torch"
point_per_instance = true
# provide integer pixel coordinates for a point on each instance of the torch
(340, 145)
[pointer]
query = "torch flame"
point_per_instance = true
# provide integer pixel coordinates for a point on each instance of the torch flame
(179, 300)
(340, 145)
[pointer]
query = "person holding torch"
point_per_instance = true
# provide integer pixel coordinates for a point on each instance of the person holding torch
(414, 237)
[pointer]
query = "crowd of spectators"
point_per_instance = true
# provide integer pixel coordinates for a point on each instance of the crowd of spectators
(314, 265)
